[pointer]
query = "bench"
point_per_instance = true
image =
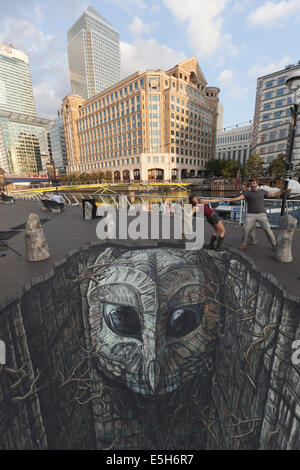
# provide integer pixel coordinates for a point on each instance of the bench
(6, 199)
(50, 206)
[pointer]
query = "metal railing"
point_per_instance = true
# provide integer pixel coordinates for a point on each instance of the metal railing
(273, 210)
(144, 201)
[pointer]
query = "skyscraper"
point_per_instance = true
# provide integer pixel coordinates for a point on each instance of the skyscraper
(24, 148)
(16, 94)
(58, 144)
(93, 53)
(272, 116)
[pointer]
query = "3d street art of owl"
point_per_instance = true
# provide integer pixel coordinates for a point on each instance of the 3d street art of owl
(153, 348)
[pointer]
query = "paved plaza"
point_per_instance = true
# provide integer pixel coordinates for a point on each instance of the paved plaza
(68, 231)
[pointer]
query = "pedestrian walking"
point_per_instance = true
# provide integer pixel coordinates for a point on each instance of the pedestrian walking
(256, 212)
(212, 218)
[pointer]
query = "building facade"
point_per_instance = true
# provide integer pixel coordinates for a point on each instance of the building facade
(220, 117)
(93, 53)
(234, 144)
(154, 125)
(58, 145)
(272, 116)
(16, 93)
(24, 147)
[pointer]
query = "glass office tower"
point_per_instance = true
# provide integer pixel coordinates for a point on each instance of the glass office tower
(94, 54)
(58, 144)
(24, 147)
(16, 94)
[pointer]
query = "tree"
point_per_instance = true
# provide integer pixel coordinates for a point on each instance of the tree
(231, 169)
(108, 176)
(64, 178)
(277, 167)
(254, 167)
(73, 177)
(297, 171)
(215, 167)
(83, 177)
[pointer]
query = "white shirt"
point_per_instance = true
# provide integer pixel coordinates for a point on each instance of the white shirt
(56, 198)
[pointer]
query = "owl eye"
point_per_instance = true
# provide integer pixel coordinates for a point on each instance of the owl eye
(122, 320)
(184, 320)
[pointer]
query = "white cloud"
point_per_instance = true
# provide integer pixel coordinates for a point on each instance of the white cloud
(147, 54)
(226, 76)
(70, 9)
(227, 81)
(220, 62)
(239, 92)
(138, 28)
(48, 62)
(26, 36)
(47, 100)
(239, 5)
(204, 24)
(274, 13)
(130, 6)
(155, 8)
(38, 13)
(264, 68)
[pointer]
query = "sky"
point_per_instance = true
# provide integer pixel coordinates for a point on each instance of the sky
(234, 41)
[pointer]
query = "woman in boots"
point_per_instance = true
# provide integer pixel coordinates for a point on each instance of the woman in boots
(211, 217)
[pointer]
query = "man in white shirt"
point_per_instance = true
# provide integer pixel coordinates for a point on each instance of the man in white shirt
(59, 200)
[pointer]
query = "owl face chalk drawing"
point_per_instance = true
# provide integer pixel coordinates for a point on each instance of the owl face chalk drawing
(151, 323)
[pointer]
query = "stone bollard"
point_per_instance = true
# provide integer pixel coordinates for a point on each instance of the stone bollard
(36, 245)
(88, 211)
(287, 227)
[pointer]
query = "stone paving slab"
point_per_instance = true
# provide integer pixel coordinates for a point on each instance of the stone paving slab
(68, 231)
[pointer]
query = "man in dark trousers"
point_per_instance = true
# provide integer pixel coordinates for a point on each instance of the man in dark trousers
(256, 211)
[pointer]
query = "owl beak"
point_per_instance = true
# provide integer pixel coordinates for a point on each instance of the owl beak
(153, 373)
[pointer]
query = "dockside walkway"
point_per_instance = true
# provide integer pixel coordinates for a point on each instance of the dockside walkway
(68, 231)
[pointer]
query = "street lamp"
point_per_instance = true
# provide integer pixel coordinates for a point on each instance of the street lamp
(293, 83)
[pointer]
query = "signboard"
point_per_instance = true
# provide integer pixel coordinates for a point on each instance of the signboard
(13, 53)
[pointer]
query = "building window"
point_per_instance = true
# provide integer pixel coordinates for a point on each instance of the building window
(282, 133)
(281, 80)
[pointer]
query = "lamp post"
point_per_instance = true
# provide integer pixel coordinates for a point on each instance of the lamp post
(293, 83)
(52, 172)
(287, 223)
